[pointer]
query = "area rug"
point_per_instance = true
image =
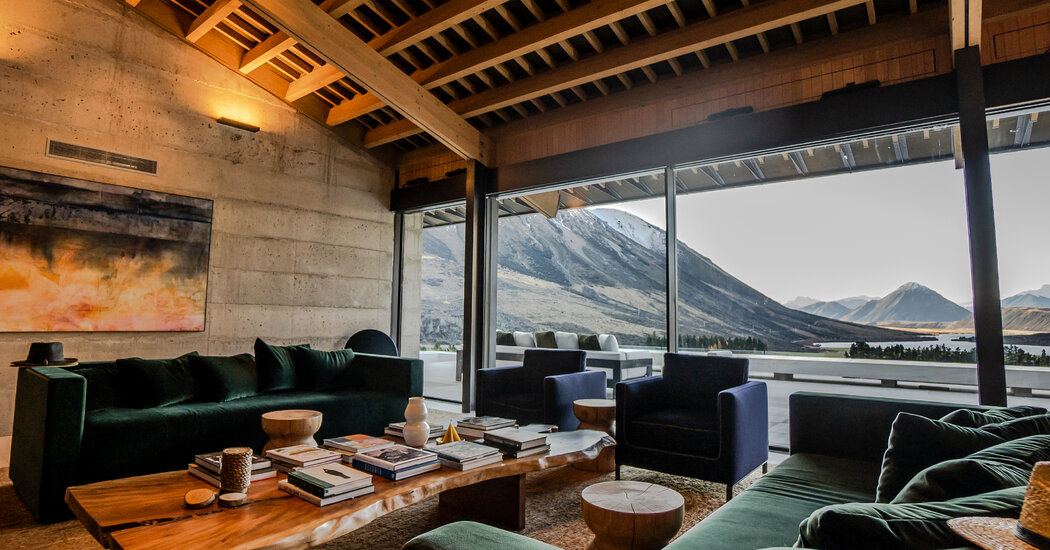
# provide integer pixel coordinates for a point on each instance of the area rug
(552, 512)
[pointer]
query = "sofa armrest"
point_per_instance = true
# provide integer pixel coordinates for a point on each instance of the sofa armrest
(496, 381)
(743, 416)
(401, 376)
(852, 427)
(45, 446)
(561, 390)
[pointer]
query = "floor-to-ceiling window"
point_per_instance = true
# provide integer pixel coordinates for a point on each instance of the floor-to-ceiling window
(585, 259)
(842, 268)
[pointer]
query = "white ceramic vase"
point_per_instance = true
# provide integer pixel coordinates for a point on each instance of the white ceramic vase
(416, 428)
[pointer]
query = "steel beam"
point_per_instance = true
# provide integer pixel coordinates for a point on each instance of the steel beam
(671, 261)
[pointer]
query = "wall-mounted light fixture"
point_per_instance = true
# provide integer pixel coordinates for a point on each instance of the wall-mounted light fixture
(237, 124)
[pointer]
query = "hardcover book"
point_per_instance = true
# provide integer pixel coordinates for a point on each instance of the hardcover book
(522, 439)
(303, 455)
(471, 464)
(357, 443)
(397, 475)
(287, 487)
(485, 422)
(463, 451)
(211, 461)
(208, 476)
(329, 479)
(395, 457)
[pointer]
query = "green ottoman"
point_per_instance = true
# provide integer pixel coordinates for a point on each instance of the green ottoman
(477, 536)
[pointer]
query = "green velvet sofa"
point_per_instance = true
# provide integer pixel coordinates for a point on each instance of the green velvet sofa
(88, 423)
(837, 446)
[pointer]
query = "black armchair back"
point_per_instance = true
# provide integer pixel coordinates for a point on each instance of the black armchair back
(372, 341)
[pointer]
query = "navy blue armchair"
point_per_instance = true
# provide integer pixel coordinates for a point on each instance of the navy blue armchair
(701, 419)
(541, 390)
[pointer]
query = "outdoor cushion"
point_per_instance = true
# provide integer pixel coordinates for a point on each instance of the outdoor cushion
(104, 386)
(275, 366)
(861, 526)
(608, 342)
(223, 378)
(546, 340)
(768, 513)
(567, 340)
(589, 342)
(976, 419)
(504, 338)
(158, 382)
(315, 370)
(917, 442)
(690, 431)
(524, 339)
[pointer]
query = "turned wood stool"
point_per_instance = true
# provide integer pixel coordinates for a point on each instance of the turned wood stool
(290, 427)
(631, 515)
(597, 414)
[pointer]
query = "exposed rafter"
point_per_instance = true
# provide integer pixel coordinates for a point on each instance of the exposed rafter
(210, 18)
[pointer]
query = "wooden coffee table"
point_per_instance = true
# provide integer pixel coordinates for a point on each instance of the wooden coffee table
(146, 511)
(631, 515)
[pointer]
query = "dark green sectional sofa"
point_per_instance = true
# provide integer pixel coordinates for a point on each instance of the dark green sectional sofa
(837, 446)
(87, 423)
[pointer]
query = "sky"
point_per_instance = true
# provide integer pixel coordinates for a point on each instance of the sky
(870, 232)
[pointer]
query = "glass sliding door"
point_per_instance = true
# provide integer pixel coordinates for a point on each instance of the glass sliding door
(842, 268)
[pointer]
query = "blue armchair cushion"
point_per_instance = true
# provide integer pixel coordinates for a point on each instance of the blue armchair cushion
(159, 382)
(275, 366)
(318, 370)
(526, 405)
(541, 363)
(694, 381)
(689, 431)
(976, 419)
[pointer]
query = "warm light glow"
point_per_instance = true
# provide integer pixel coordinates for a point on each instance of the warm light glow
(241, 109)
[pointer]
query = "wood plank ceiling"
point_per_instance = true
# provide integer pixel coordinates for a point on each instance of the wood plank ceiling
(494, 61)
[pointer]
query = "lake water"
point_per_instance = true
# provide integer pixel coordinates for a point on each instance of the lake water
(945, 339)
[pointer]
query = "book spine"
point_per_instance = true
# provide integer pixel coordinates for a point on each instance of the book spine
(204, 477)
(305, 486)
(373, 469)
(298, 492)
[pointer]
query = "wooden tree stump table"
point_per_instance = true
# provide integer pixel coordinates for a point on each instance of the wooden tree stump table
(290, 427)
(597, 414)
(631, 515)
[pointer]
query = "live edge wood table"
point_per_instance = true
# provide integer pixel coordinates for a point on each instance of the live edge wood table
(147, 512)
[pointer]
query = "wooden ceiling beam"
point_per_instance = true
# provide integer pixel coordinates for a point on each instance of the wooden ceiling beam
(731, 26)
(339, 47)
(210, 18)
(278, 42)
(560, 27)
(965, 23)
(434, 21)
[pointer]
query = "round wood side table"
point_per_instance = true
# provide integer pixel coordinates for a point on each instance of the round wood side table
(595, 414)
(290, 427)
(631, 515)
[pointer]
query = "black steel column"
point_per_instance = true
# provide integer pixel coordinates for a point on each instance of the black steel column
(984, 262)
(475, 280)
(671, 262)
(396, 279)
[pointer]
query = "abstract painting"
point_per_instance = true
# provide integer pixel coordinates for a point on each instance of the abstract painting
(78, 255)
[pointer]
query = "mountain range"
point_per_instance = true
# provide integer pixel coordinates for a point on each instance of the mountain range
(602, 271)
(1031, 298)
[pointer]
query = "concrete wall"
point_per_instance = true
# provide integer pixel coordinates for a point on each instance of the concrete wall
(412, 275)
(301, 236)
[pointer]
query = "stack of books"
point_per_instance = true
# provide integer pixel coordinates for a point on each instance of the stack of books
(467, 455)
(397, 431)
(396, 462)
(517, 443)
(206, 467)
(288, 459)
(476, 427)
(327, 484)
(351, 444)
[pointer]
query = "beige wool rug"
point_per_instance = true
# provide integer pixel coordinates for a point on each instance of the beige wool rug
(552, 512)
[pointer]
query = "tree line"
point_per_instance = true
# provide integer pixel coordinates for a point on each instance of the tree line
(942, 353)
(707, 341)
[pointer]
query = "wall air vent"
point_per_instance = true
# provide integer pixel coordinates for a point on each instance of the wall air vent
(100, 157)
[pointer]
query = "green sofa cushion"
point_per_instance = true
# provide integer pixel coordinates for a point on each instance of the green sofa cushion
(223, 378)
(768, 513)
(468, 534)
(317, 370)
(105, 385)
(504, 338)
(861, 526)
(158, 382)
(1020, 427)
(1008, 464)
(275, 366)
(976, 419)
(917, 442)
(546, 340)
(589, 342)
